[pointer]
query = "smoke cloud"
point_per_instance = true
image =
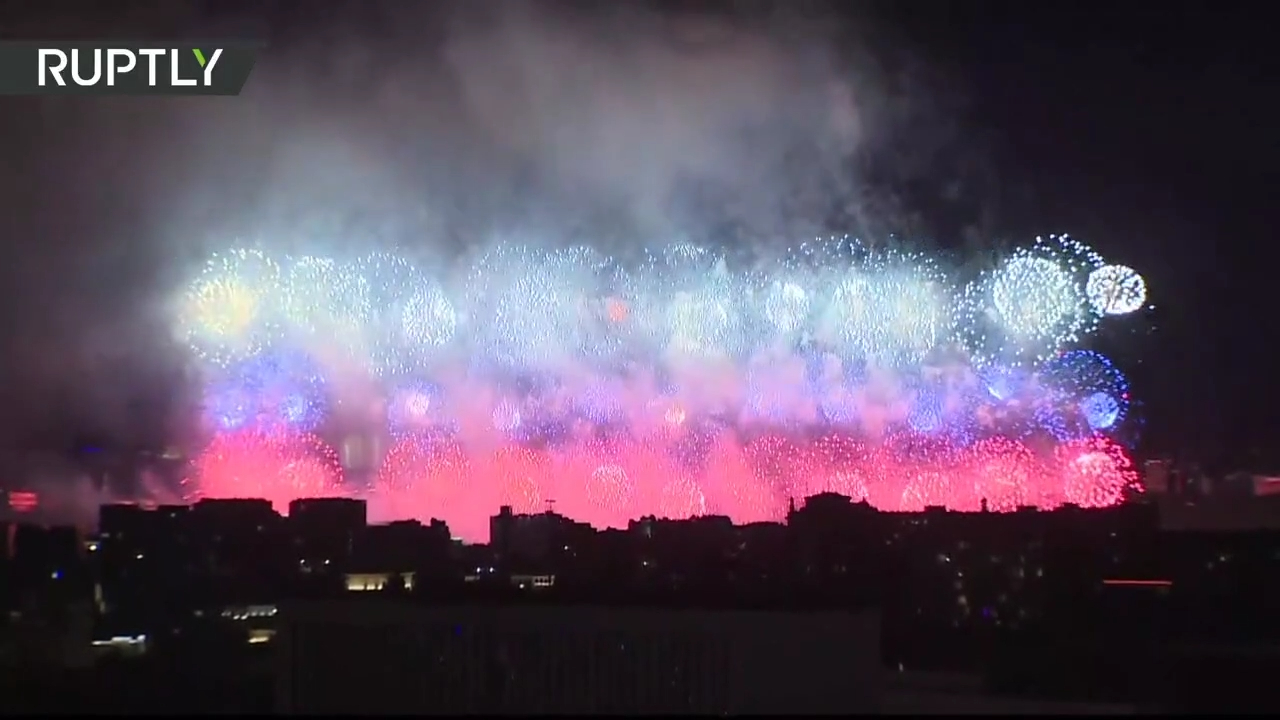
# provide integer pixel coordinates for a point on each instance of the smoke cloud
(642, 112)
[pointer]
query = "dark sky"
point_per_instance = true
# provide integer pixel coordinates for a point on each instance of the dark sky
(1145, 129)
(1149, 130)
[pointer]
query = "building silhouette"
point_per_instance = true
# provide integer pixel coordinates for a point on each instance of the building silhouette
(1109, 605)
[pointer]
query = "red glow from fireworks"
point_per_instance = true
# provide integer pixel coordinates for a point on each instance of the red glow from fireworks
(744, 502)
(782, 466)
(271, 465)
(518, 472)
(610, 491)
(1095, 472)
(681, 498)
(843, 464)
(424, 476)
(1004, 473)
(610, 483)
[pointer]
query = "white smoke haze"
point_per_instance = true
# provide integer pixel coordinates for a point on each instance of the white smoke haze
(638, 107)
(545, 118)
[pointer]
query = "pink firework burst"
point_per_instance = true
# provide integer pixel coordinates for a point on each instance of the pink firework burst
(609, 490)
(783, 467)
(1095, 472)
(279, 466)
(731, 481)
(843, 467)
(423, 477)
(681, 498)
(926, 486)
(1003, 472)
(518, 475)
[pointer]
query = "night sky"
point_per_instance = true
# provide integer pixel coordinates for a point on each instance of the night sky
(1144, 129)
